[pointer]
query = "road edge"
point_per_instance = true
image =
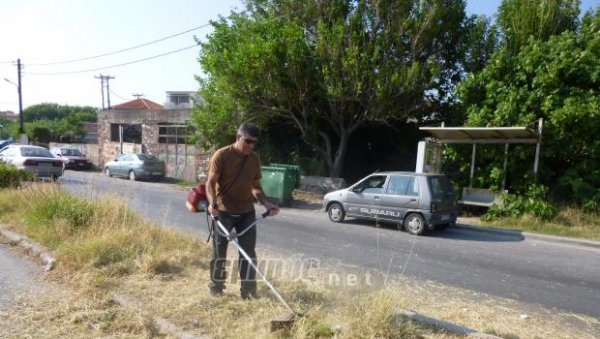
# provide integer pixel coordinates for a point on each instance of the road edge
(549, 238)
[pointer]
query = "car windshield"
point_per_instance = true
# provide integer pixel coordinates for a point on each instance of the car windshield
(70, 151)
(146, 157)
(35, 152)
(441, 187)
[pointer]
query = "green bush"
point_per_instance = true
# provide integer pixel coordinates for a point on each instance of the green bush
(533, 202)
(11, 176)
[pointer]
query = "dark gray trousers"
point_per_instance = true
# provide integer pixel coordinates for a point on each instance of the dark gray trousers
(247, 242)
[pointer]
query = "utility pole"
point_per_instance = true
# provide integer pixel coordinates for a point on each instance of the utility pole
(19, 66)
(22, 136)
(104, 79)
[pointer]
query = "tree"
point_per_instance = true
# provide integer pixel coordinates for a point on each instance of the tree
(557, 80)
(521, 20)
(327, 67)
(57, 120)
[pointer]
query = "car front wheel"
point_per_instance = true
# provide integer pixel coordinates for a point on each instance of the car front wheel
(132, 176)
(336, 212)
(415, 224)
(107, 172)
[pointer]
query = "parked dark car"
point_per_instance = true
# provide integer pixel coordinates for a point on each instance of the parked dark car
(33, 159)
(136, 166)
(4, 143)
(418, 201)
(71, 157)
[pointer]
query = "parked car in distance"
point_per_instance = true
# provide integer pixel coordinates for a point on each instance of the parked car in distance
(34, 159)
(136, 166)
(417, 201)
(71, 157)
(4, 143)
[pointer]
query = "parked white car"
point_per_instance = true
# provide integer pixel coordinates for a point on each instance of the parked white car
(34, 159)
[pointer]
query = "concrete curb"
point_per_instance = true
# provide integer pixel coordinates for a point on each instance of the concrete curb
(30, 247)
(550, 238)
(450, 327)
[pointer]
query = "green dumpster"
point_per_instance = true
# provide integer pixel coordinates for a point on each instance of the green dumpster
(277, 183)
(295, 172)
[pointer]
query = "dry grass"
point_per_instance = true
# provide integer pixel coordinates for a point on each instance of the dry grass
(570, 222)
(103, 249)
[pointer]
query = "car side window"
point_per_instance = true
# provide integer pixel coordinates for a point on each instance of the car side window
(413, 187)
(397, 185)
(403, 185)
(372, 185)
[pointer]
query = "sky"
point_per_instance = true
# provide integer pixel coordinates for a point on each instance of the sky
(52, 37)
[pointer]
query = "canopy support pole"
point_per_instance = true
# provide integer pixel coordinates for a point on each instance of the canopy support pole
(472, 165)
(505, 166)
(538, 146)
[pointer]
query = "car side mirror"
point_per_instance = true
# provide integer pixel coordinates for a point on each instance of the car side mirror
(358, 189)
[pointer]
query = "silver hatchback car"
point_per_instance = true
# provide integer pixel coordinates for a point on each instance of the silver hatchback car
(417, 201)
(33, 159)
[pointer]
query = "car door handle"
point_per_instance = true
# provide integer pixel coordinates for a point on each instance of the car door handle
(376, 197)
(413, 200)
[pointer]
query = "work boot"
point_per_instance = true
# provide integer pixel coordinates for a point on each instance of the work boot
(246, 295)
(216, 291)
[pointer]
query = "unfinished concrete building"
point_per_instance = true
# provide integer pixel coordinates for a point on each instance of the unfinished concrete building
(143, 126)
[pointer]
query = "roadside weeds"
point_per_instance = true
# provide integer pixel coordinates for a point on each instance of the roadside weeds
(171, 287)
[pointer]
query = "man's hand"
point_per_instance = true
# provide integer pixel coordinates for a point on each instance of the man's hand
(272, 209)
(214, 212)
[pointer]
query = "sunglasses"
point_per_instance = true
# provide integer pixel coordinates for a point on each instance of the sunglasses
(250, 141)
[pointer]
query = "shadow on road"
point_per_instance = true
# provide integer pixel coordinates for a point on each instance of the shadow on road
(468, 233)
(475, 234)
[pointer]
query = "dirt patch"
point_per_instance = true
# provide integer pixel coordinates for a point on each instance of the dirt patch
(306, 200)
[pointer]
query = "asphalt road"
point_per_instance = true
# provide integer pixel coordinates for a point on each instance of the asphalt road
(18, 277)
(555, 274)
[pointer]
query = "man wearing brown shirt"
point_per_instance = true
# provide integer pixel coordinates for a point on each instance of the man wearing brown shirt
(233, 185)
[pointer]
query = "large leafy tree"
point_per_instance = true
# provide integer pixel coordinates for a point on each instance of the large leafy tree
(49, 121)
(557, 79)
(328, 67)
(522, 20)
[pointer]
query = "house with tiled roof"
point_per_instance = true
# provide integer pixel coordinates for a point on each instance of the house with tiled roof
(138, 104)
(144, 126)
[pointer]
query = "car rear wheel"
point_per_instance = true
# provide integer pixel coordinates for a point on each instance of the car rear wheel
(132, 176)
(54, 178)
(336, 212)
(107, 172)
(415, 224)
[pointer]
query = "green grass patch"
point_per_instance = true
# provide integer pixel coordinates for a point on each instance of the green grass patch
(102, 234)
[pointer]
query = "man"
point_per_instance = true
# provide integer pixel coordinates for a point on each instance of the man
(232, 186)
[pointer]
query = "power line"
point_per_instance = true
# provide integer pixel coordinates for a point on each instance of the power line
(118, 96)
(114, 66)
(120, 50)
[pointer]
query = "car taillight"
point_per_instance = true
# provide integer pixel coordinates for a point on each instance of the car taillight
(30, 162)
(433, 207)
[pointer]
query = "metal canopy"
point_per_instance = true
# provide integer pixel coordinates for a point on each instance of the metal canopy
(490, 135)
(482, 135)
